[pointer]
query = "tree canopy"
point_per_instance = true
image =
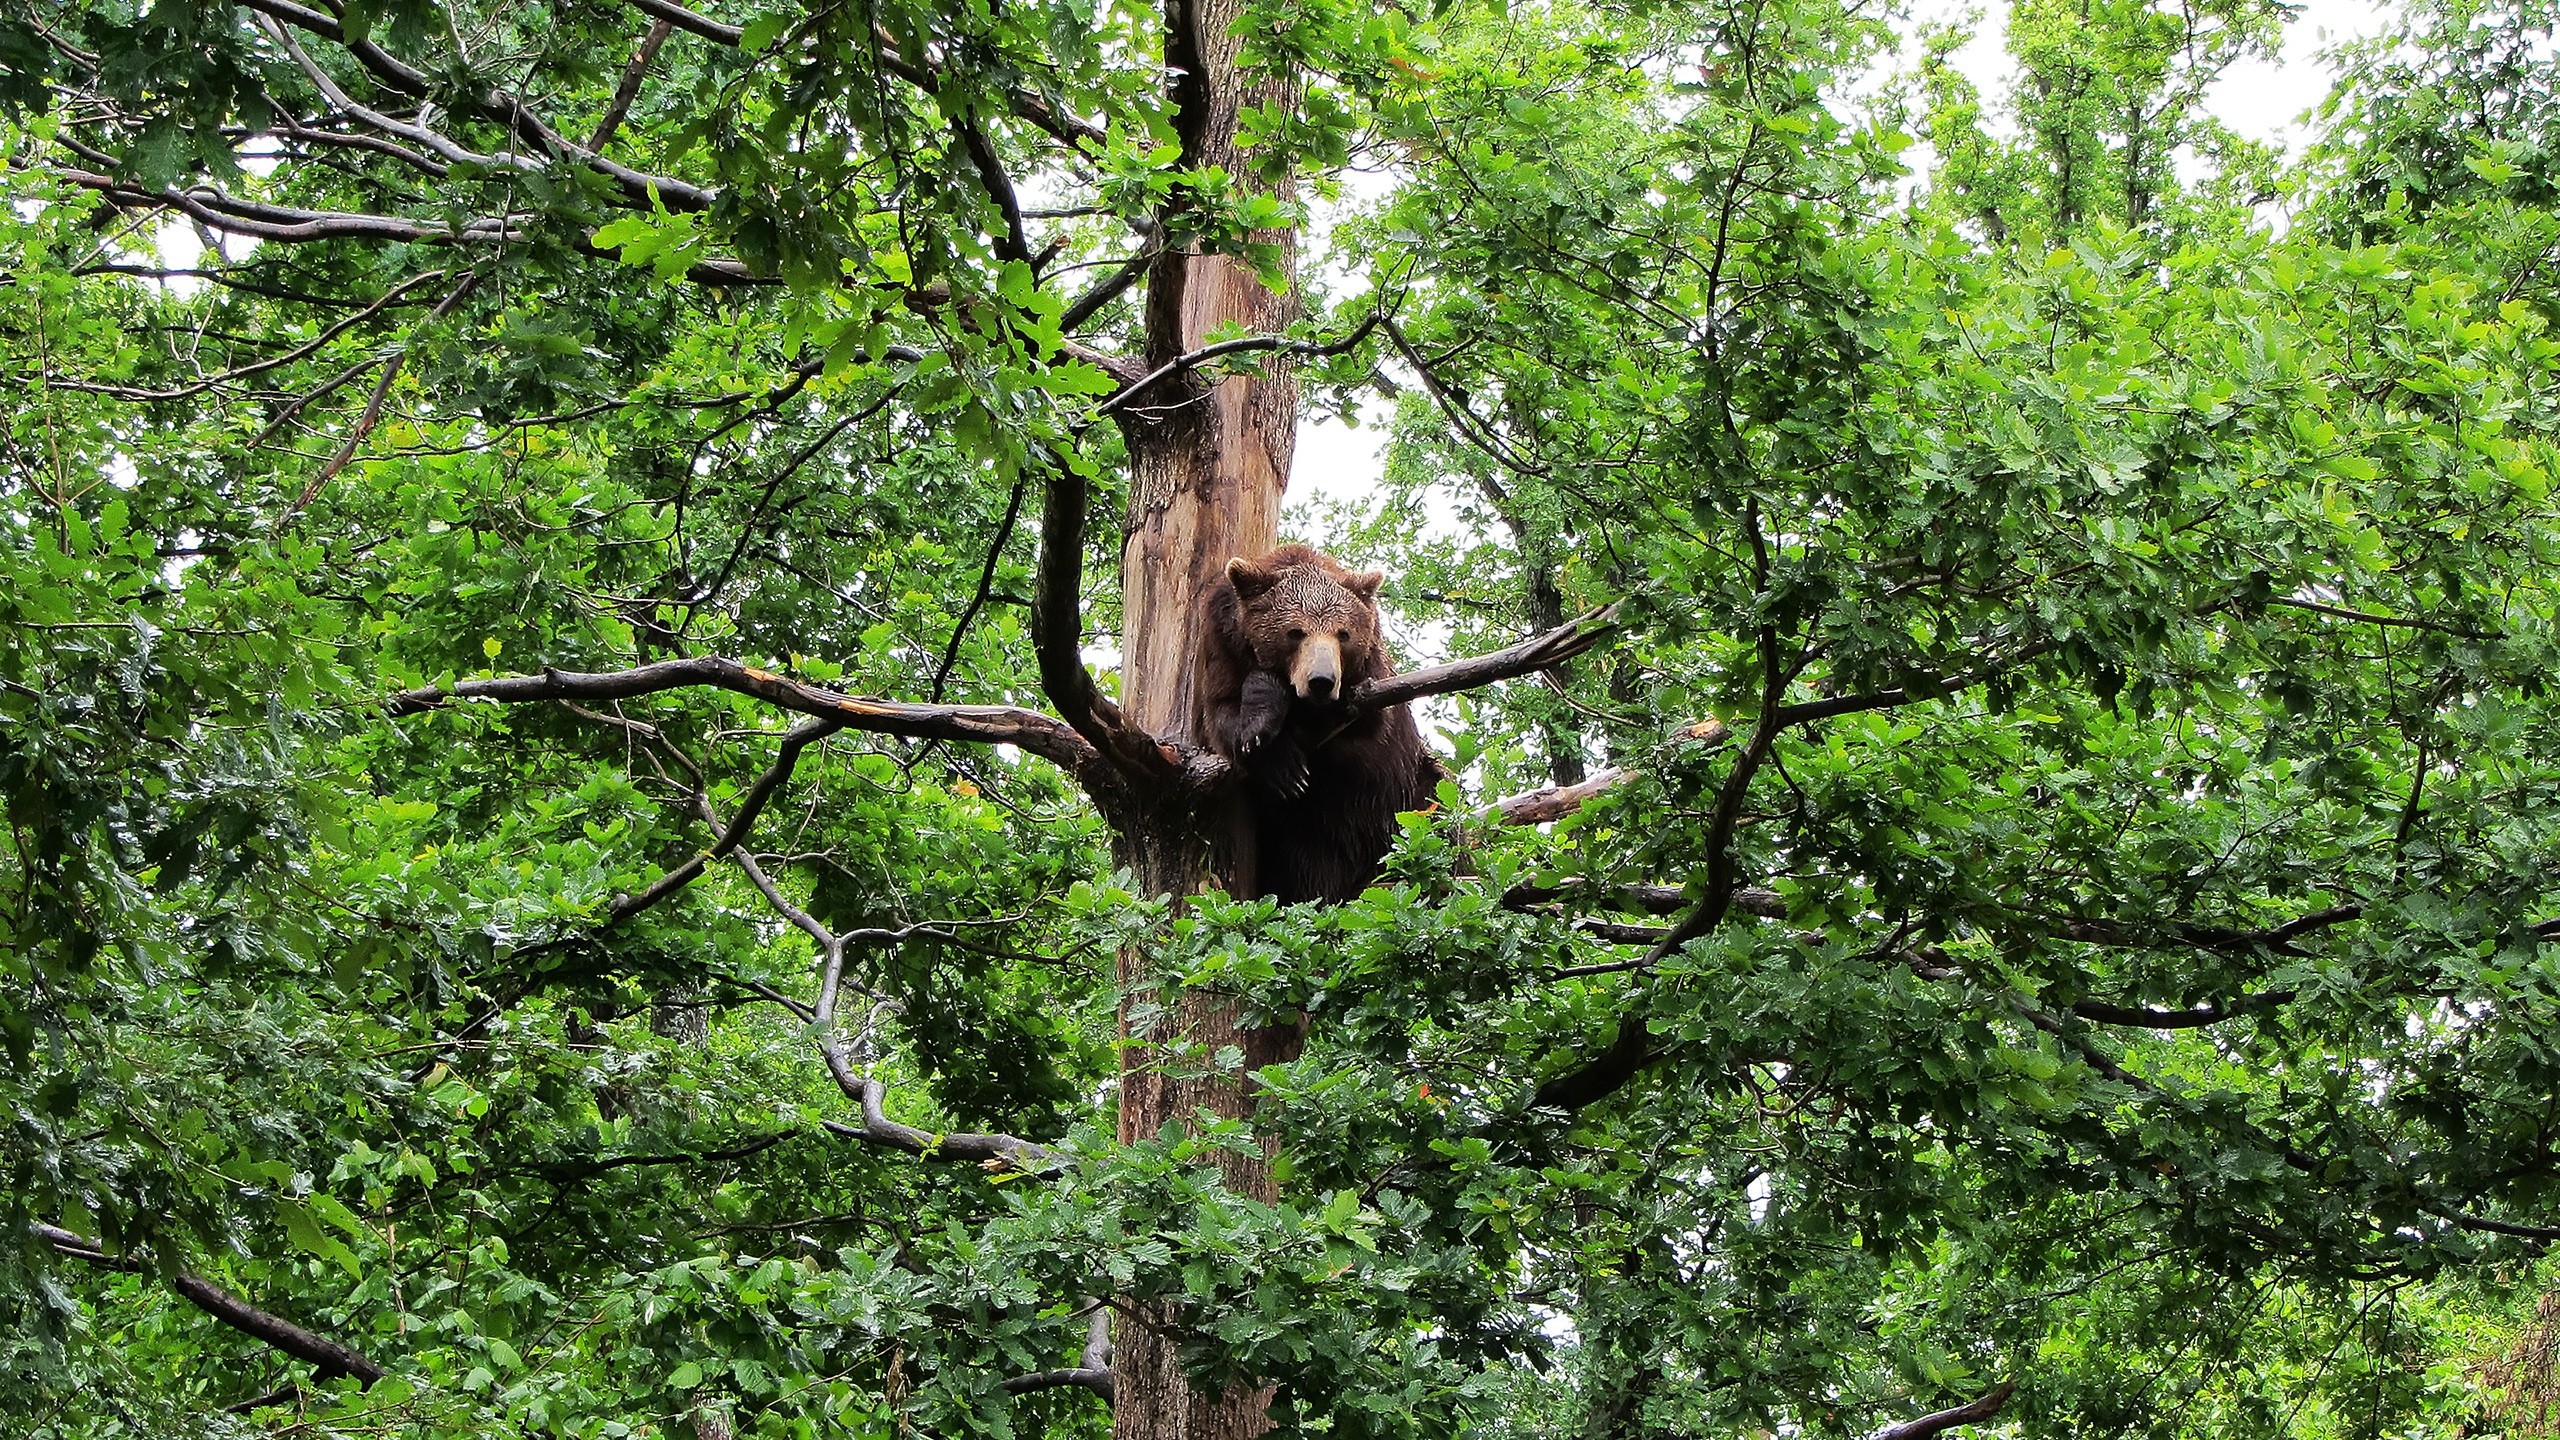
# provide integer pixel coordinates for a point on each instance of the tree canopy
(594, 847)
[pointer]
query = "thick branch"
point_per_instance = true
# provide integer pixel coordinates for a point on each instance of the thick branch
(1554, 802)
(328, 1356)
(1015, 242)
(995, 1151)
(501, 106)
(1092, 1369)
(1057, 609)
(1041, 735)
(642, 56)
(1533, 654)
(285, 224)
(1810, 710)
(686, 20)
(1647, 899)
(1980, 1408)
(1096, 1380)
(1110, 287)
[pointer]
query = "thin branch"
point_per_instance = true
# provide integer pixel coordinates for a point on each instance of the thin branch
(1475, 431)
(1001, 1152)
(986, 587)
(1632, 1049)
(331, 1358)
(373, 406)
(1039, 734)
(1242, 345)
(227, 277)
(2369, 618)
(2218, 938)
(1026, 105)
(242, 372)
(750, 805)
(585, 1169)
(1811, 710)
(2100, 1013)
(2469, 1221)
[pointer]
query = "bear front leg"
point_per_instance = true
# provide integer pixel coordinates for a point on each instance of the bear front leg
(1270, 753)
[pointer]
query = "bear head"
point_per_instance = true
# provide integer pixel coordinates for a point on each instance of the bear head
(1310, 620)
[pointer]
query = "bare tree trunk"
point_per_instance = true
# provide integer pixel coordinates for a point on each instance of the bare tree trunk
(1208, 467)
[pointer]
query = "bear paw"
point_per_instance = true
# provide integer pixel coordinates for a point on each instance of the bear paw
(1261, 711)
(1280, 766)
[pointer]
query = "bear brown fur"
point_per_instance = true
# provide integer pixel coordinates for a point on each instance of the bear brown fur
(1282, 638)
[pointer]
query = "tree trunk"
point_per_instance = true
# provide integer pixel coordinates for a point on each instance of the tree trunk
(1208, 465)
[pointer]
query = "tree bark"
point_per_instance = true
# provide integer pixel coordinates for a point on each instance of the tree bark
(1208, 466)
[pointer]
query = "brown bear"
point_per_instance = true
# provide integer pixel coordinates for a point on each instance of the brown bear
(1282, 639)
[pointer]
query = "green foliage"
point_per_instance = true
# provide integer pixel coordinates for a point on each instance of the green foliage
(2132, 622)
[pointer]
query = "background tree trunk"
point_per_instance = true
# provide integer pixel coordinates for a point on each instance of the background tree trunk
(1208, 466)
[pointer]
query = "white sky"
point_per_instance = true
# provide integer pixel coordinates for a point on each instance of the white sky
(2261, 99)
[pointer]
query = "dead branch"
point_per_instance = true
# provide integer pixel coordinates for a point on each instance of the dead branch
(1538, 652)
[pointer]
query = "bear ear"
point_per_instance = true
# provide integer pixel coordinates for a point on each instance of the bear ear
(1250, 580)
(1366, 583)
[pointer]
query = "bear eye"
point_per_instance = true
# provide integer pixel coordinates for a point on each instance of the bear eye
(1342, 635)
(1297, 634)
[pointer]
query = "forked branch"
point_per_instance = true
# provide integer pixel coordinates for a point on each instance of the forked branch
(996, 1151)
(1092, 1370)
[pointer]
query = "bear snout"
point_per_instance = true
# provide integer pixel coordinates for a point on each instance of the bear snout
(1317, 675)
